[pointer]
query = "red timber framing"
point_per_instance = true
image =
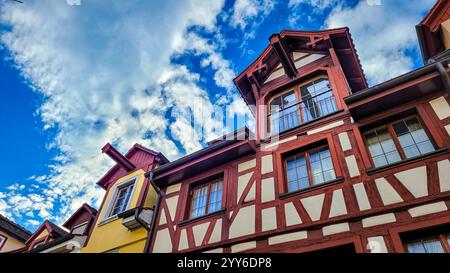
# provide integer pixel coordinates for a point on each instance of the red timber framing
(365, 208)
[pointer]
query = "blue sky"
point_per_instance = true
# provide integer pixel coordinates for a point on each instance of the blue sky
(77, 74)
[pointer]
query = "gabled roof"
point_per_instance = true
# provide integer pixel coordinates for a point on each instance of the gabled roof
(103, 182)
(53, 230)
(283, 44)
(437, 14)
(428, 30)
(84, 208)
(13, 229)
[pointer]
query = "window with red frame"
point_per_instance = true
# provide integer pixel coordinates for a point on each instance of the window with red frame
(398, 140)
(206, 198)
(310, 168)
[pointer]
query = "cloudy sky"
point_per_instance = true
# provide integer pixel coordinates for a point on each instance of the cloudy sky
(76, 74)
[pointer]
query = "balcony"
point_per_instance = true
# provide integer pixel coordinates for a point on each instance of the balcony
(294, 115)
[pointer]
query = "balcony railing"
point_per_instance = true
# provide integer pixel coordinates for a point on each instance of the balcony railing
(296, 114)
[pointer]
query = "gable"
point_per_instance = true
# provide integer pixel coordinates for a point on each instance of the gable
(141, 157)
(298, 49)
(44, 233)
(301, 59)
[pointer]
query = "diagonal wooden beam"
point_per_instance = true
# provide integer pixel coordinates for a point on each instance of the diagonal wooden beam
(278, 44)
(256, 86)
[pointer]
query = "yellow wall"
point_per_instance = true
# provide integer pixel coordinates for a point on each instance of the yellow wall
(445, 29)
(112, 234)
(11, 243)
(41, 235)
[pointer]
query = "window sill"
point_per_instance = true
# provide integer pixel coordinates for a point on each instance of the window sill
(313, 188)
(437, 152)
(107, 220)
(188, 221)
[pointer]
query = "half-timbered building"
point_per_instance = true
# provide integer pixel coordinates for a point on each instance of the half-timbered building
(334, 165)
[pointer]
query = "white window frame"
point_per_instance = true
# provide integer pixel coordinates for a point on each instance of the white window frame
(113, 195)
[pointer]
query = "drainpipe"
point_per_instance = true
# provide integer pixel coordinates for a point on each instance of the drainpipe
(151, 232)
(440, 66)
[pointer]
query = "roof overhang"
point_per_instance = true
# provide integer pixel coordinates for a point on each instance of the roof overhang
(282, 45)
(428, 33)
(78, 212)
(216, 154)
(400, 90)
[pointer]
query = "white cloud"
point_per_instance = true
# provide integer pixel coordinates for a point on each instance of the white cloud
(249, 14)
(106, 73)
(317, 4)
(15, 187)
(383, 34)
(34, 223)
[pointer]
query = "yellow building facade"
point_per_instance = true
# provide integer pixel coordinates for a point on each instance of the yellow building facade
(110, 232)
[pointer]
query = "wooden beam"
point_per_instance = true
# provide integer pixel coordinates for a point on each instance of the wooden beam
(278, 44)
(256, 86)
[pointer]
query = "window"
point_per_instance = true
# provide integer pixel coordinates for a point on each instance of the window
(2, 241)
(434, 244)
(286, 112)
(317, 99)
(283, 113)
(122, 198)
(309, 168)
(397, 141)
(206, 198)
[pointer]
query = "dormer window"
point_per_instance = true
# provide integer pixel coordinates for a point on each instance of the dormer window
(284, 112)
(302, 104)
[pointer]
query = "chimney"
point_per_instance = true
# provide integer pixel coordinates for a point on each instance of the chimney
(118, 157)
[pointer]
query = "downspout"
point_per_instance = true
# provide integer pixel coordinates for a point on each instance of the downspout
(444, 75)
(151, 232)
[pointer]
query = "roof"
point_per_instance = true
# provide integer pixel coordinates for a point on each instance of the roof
(55, 242)
(13, 229)
(407, 87)
(218, 151)
(309, 41)
(54, 231)
(432, 18)
(428, 30)
(84, 208)
(136, 147)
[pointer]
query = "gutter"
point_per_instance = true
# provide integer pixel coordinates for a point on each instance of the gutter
(437, 66)
(151, 232)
